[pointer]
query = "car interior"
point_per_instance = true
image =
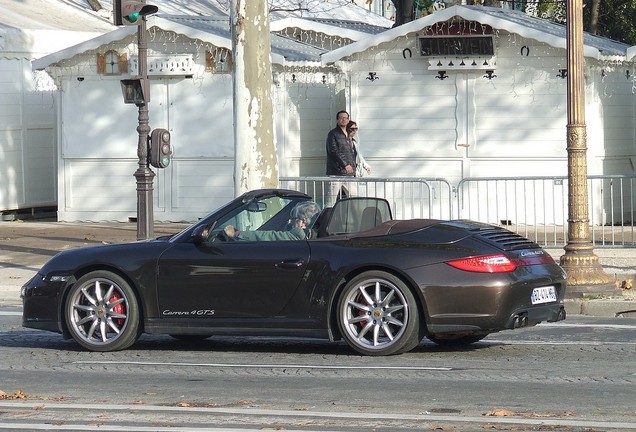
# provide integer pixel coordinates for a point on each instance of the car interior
(347, 216)
(351, 215)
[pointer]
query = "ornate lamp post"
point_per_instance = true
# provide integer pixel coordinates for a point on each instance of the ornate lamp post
(137, 91)
(584, 272)
(144, 175)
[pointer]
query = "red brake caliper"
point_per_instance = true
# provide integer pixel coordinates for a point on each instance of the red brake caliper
(119, 309)
(362, 300)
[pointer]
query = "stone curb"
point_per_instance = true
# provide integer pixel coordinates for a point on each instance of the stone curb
(609, 308)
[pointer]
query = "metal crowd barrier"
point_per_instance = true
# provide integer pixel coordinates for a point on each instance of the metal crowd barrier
(410, 198)
(535, 207)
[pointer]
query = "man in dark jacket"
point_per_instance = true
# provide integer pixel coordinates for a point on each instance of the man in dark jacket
(341, 154)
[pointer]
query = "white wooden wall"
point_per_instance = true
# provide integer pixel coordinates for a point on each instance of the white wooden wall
(306, 113)
(414, 124)
(99, 149)
(27, 139)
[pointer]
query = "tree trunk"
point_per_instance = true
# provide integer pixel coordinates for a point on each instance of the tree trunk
(403, 11)
(596, 5)
(255, 157)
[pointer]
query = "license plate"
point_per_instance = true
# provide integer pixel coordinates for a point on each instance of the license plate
(543, 295)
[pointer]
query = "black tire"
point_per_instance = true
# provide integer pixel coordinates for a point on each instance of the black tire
(457, 341)
(378, 315)
(102, 313)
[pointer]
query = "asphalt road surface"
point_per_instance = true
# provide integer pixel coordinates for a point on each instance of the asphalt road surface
(575, 375)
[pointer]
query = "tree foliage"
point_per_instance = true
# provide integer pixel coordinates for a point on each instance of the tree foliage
(614, 19)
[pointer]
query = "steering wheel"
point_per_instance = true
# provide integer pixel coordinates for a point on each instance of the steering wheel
(222, 236)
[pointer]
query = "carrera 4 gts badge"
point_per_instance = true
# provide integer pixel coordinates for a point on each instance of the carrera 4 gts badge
(198, 312)
(526, 254)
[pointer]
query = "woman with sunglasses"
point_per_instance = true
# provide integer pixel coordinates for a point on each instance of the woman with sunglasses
(361, 164)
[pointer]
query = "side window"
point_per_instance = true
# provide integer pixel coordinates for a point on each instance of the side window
(255, 215)
(268, 219)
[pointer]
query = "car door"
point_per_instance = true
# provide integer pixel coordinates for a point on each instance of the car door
(238, 279)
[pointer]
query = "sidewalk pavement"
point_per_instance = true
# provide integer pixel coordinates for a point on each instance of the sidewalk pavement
(26, 245)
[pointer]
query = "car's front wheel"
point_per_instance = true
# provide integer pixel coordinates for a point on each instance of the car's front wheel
(102, 313)
(378, 315)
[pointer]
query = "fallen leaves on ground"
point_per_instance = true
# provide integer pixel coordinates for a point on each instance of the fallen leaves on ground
(627, 289)
(213, 404)
(56, 399)
(18, 394)
(508, 413)
(499, 413)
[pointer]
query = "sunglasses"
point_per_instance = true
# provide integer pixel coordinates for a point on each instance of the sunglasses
(353, 129)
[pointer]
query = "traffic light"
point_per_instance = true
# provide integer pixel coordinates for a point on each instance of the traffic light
(160, 148)
(130, 12)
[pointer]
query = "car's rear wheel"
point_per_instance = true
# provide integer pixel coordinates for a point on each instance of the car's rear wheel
(102, 313)
(378, 315)
(455, 341)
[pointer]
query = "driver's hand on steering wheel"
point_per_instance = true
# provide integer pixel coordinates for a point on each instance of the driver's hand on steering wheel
(230, 231)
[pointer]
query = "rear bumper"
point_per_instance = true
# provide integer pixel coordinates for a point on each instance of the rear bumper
(535, 315)
(483, 324)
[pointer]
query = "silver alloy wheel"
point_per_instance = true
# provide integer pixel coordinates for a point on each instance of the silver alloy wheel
(98, 312)
(375, 314)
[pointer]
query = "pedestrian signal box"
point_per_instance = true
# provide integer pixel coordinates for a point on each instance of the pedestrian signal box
(134, 91)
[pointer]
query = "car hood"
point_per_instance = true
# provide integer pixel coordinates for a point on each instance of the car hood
(121, 255)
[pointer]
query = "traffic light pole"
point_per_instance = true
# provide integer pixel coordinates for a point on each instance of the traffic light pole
(144, 175)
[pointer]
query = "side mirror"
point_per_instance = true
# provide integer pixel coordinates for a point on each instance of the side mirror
(201, 234)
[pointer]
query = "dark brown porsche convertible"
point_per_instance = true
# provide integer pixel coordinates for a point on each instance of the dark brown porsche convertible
(273, 263)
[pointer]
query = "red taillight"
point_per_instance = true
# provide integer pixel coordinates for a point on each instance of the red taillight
(538, 260)
(485, 264)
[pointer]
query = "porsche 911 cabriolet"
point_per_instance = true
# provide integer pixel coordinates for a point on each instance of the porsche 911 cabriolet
(273, 263)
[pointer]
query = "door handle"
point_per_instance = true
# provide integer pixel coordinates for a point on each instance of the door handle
(290, 264)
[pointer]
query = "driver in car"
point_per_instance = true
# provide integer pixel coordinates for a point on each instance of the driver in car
(300, 222)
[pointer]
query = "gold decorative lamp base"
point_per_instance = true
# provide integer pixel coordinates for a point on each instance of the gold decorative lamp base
(585, 275)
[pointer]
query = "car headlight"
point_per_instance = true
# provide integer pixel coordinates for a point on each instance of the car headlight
(59, 278)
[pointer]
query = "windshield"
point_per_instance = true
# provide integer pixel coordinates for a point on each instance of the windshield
(270, 213)
(264, 213)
